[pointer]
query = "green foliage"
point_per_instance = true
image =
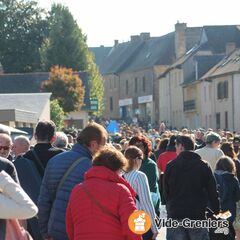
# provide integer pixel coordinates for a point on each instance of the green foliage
(96, 85)
(66, 45)
(57, 114)
(66, 87)
(22, 30)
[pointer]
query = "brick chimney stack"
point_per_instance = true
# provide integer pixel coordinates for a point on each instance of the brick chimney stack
(180, 39)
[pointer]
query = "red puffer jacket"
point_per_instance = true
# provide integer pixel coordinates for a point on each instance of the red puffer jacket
(85, 220)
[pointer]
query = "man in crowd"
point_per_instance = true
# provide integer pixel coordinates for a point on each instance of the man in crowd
(21, 145)
(40, 154)
(189, 186)
(5, 149)
(57, 185)
(211, 152)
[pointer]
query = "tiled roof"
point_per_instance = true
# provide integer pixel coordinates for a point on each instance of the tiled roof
(120, 56)
(218, 36)
(204, 63)
(100, 54)
(31, 83)
(193, 35)
(154, 51)
(229, 64)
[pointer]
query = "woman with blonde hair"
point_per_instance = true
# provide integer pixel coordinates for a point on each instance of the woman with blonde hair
(139, 182)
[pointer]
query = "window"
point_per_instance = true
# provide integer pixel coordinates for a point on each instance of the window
(210, 92)
(218, 123)
(205, 94)
(226, 120)
(111, 104)
(144, 84)
(110, 83)
(225, 89)
(126, 87)
(222, 90)
(136, 85)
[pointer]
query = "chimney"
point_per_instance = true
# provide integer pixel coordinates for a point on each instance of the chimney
(180, 39)
(145, 35)
(115, 43)
(230, 47)
(135, 38)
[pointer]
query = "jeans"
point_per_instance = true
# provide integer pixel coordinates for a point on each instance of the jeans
(181, 233)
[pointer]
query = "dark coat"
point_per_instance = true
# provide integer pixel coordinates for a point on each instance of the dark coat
(44, 151)
(189, 186)
(229, 191)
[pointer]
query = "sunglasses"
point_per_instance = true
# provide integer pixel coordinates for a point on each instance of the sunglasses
(5, 148)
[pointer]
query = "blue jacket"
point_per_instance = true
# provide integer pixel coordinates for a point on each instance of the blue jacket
(52, 210)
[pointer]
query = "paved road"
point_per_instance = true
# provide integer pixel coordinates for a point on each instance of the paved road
(162, 235)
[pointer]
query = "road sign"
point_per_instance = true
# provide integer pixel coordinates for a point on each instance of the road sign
(93, 104)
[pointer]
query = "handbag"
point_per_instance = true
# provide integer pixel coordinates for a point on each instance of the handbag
(236, 223)
(14, 231)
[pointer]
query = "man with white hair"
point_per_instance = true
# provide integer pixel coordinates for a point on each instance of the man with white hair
(21, 145)
(61, 141)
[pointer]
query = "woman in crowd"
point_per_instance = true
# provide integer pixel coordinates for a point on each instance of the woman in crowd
(14, 204)
(228, 150)
(99, 208)
(228, 188)
(138, 181)
(149, 167)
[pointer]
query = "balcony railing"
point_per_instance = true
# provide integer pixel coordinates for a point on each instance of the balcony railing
(189, 105)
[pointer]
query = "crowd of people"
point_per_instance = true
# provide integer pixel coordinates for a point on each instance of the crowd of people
(86, 185)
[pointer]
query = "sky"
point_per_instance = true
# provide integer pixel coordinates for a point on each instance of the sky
(104, 21)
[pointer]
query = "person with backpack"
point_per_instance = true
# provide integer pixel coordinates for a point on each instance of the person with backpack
(62, 173)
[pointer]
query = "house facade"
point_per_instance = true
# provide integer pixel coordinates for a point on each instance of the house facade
(190, 101)
(222, 86)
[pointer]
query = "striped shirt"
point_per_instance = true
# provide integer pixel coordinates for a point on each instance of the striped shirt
(139, 182)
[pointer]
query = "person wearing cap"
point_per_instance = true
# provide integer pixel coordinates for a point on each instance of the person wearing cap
(211, 152)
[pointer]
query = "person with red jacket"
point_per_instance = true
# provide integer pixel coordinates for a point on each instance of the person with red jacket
(99, 207)
(167, 156)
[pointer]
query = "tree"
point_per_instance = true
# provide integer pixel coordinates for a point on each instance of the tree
(66, 87)
(66, 45)
(57, 114)
(71, 50)
(96, 85)
(22, 30)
